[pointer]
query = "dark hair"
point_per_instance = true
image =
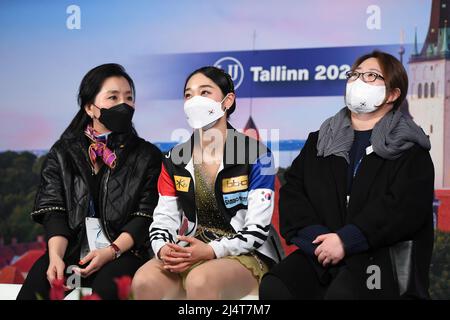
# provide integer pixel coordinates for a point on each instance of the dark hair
(394, 73)
(220, 78)
(90, 86)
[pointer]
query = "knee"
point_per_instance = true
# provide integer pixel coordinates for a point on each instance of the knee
(265, 290)
(142, 283)
(198, 284)
(272, 288)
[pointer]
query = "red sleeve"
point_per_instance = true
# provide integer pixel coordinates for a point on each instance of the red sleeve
(166, 186)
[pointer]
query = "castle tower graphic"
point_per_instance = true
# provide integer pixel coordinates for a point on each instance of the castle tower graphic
(429, 89)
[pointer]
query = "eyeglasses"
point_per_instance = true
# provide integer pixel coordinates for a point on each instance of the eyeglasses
(366, 76)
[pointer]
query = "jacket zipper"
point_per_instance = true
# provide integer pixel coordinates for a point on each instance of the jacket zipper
(105, 188)
(103, 215)
(195, 203)
(217, 192)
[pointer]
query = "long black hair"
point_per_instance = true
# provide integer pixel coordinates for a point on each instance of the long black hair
(220, 78)
(90, 86)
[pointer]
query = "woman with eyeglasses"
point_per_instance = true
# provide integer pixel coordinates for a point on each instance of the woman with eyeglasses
(358, 199)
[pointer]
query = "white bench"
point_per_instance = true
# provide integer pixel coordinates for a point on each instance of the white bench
(10, 291)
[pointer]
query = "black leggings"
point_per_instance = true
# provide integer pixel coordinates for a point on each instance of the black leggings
(296, 278)
(101, 282)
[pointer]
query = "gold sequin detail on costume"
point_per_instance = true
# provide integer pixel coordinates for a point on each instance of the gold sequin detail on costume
(208, 214)
(212, 226)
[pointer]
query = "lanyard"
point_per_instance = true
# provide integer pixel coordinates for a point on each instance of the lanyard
(355, 171)
(369, 150)
(91, 209)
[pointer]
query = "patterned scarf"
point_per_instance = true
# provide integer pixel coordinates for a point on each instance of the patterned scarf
(98, 148)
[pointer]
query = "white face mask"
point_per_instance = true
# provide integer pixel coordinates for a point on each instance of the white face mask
(203, 112)
(361, 97)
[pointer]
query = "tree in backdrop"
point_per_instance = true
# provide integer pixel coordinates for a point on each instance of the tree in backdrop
(19, 180)
(440, 267)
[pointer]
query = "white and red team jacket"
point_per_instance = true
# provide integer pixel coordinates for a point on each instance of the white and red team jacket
(244, 190)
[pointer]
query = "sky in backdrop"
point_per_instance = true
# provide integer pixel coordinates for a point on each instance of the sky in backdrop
(42, 61)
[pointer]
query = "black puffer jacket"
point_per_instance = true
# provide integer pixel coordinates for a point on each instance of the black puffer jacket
(127, 194)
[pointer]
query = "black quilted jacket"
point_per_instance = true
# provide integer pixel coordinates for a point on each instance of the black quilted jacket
(126, 198)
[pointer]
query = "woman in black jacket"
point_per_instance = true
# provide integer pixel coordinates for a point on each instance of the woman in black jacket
(358, 199)
(97, 192)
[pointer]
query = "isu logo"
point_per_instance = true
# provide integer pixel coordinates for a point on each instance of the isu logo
(233, 67)
(182, 183)
(235, 184)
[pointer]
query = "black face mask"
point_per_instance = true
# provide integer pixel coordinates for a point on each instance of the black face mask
(117, 118)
